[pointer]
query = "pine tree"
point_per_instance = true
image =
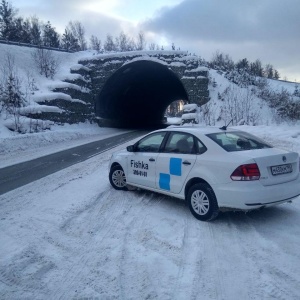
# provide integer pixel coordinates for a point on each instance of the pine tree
(242, 64)
(12, 95)
(50, 36)
(35, 31)
(297, 90)
(276, 75)
(256, 68)
(269, 71)
(69, 41)
(7, 17)
(25, 36)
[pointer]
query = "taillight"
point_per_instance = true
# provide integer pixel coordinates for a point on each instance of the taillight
(246, 173)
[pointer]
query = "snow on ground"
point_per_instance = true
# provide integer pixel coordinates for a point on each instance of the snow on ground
(71, 236)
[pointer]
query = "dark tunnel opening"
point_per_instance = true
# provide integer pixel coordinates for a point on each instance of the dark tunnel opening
(138, 94)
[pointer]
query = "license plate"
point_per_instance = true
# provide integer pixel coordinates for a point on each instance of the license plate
(282, 169)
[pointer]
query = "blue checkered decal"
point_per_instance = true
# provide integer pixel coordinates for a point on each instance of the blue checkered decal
(174, 169)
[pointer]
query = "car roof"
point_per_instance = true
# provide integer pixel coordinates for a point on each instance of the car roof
(197, 129)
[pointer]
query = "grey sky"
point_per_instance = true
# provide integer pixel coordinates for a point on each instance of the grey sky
(264, 29)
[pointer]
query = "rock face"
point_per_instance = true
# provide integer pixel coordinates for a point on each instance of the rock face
(111, 86)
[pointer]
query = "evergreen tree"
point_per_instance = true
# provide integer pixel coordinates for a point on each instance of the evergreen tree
(256, 68)
(7, 17)
(35, 31)
(69, 42)
(12, 95)
(25, 36)
(242, 64)
(276, 74)
(17, 30)
(297, 90)
(50, 36)
(269, 71)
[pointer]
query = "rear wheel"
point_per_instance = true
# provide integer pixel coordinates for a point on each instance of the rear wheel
(202, 202)
(117, 178)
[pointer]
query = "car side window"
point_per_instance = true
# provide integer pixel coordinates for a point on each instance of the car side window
(201, 147)
(180, 143)
(150, 143)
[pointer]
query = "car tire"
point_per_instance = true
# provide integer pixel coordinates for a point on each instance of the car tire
(117, 178)
(202, 202)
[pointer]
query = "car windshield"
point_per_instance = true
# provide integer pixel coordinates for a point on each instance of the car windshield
(238, 141)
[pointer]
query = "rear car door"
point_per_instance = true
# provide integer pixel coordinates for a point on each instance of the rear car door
(175, 162)
(142, 162)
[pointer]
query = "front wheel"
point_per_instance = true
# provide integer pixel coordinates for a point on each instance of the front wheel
(202, 202)
(117, 178)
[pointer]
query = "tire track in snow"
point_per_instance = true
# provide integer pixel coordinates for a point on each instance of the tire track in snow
(199, 275)
(274, 282)
(89, 227)
(131, 270)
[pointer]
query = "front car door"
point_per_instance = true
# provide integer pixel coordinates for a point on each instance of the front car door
(142, 162)
(175, 161)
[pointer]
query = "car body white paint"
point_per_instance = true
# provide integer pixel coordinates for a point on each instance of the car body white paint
(215, 167)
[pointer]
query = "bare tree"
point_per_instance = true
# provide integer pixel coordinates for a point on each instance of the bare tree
(141, 42)
(95, 43)
(152, 46)
(125, 42)
(46, 62)
(208, 113)
(239, 106)
(109, 44)
(78, 32)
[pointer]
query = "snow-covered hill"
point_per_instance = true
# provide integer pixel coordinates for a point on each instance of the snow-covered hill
(222, 91)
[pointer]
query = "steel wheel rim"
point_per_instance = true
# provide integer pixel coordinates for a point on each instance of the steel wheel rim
(200, 202)
(118, 178)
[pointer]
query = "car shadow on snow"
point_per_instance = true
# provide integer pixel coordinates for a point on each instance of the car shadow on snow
(287, 213)
(284, 213)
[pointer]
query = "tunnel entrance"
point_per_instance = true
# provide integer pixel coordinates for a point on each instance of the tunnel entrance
(138, 93)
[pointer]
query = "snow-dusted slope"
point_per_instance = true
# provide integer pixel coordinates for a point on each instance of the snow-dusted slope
(71, 236)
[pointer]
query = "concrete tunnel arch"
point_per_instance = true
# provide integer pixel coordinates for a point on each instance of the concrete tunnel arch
(138, 93)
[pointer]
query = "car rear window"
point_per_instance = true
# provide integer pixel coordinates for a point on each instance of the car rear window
(238, 141)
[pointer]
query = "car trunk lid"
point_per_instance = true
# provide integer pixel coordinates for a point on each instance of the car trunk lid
(276, 166)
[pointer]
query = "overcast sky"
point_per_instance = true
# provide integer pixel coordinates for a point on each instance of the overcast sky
(264, 29)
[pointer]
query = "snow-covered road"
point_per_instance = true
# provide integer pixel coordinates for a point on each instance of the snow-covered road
(71, 236)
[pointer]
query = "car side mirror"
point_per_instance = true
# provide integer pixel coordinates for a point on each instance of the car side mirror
(130, 148)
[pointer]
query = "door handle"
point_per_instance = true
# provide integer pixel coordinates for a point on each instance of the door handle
(151, 159)
(186, 162)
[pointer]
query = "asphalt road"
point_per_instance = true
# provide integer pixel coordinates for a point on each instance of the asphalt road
(15, 176)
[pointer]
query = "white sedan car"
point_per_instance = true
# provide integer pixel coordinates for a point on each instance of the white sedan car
(212, 169)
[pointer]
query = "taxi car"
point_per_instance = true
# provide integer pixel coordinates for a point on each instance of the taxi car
(213, 169)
